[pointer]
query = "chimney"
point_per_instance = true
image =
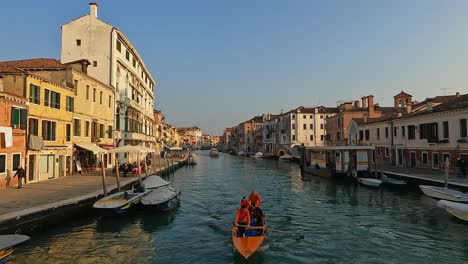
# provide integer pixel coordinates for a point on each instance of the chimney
(365, 118)
(93, 9)
(370, 100)
(364, 102)
(357, 104)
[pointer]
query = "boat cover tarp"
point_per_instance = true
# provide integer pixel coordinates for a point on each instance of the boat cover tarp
(7, 241)
(159, 196)
(154, 182)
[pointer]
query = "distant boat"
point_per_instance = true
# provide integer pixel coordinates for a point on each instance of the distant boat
(8, 243)
(459, 210)
(121, 202)
(371, 182)
(214, 153)
(162, 196)
(240, 153)
(444, 193)
(258, 155)
(392, 182)
(286, 157)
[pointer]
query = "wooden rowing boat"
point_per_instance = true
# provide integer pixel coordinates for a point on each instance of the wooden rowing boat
(252, 239)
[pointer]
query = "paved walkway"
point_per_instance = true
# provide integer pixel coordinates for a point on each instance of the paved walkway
(45, 194)
(427, 174)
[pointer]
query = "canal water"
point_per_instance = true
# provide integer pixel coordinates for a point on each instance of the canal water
(325, 221)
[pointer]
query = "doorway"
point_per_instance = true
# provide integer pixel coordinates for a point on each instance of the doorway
(60, 166)
(412, 159)
(31, 167)
(400, 157)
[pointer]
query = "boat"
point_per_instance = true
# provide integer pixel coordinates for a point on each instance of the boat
(253, 238)
(371, 182)
(392, 182)
(8, 243)
(258, 155)
(444, 193)
(120, 202)
(286, 157)
(214, 153)
(162, 196)
(240, 153)
(459, 210)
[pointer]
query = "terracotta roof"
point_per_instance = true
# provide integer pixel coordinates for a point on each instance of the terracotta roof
(35, 63)
(403, 93)
(9, 69)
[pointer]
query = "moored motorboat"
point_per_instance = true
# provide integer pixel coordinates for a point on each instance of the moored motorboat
(240, 153)
(8, 243)
(258, 155)
(286, 157)
(214, 153)
(121, 202)
(253, 235)
(371, 182)
(444, 193)
(162, 196)
(392, 182)
(459, 210)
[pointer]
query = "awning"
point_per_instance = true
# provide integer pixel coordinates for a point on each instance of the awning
(91, 147)
(107, 146)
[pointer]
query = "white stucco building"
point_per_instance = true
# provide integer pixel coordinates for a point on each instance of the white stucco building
(115, 62)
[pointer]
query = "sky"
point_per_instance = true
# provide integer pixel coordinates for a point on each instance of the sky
(219, 63)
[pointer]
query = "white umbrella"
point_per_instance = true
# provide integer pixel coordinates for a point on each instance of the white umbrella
(128, 149)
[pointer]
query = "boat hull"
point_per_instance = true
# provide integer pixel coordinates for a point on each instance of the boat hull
(392, 182)
(165, 205)
(253, 239)
(8, 243)
(459, 210)
(444, 193)
(370, 182)
(115, 204)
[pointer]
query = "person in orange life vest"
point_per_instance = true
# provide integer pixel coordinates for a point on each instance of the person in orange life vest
(243, 202)
(255, 198)
(242, 218)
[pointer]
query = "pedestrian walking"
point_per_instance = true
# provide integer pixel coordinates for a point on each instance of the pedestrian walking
(8, 179)
(459, 167)
(21, 174)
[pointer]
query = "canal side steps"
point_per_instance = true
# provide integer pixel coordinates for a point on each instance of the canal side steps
(39, 217)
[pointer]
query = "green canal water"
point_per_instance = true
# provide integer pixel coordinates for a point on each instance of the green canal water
(328, 222)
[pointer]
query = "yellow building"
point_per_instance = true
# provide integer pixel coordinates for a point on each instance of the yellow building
(93, 117)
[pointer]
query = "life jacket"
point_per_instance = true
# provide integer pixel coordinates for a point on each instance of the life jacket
(242, 216)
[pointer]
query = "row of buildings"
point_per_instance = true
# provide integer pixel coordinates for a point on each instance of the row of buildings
(58, 116)
(408, 134)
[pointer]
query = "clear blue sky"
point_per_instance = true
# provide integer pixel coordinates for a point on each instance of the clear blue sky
(217, 63)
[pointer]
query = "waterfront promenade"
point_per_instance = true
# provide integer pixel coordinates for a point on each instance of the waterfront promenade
(36, 200)
(428, 175)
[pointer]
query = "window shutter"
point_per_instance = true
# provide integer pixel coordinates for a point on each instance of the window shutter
(23, 118)
(46, 97)
(12, 123)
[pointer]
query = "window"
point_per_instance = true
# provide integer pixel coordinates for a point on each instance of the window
(101, 130)
(33, 126)
(34, 94)
(394, 131)
(304, 117)
(110, 101)
(429, 132)
(293, 126)
(293, 116)
(119, 46)
(94, 95)
(304, 126)
(134, 62)
(78, 42)
(18, 118)
(425, 159)
(87, 92)
(311, 126)
(361, 135)
(51, 99)
(321, 137)
(70, 104)
(311, 137)
(127, 55)
(338, 135)
(16, 161)
(446, 129)
(378, 133)
(321, 116)
(86, 128)
(403, 131)
(293, 137)
(367, 134)
(100, 98)
(76, 128)
(76, 87)
(386, 132)
(435, 159)
(311, 116)
(2, 163)
(321, 126)
(46, 97)
(109, 132)
(463, 128)
(94, 63)
(68, 127)
(49, 130)
(411, 132)
(387, 152)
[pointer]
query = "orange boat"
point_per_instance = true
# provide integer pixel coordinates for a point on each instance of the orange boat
(253, 239)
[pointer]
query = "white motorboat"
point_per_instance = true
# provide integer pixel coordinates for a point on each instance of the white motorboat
(371, 182)
(444, 193)
(121, 202)
(240, 153)
(8, 243)
(459, 210)
(214, 153)
(153, 182)
(258, 155)
(392, 182)
(162, 198)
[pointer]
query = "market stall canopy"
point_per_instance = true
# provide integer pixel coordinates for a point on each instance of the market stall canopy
(128, 149)
(91, 147)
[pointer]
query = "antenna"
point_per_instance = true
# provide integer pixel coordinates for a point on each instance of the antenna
(445, 89)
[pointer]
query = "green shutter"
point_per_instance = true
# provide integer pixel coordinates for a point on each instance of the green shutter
(23, 118)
